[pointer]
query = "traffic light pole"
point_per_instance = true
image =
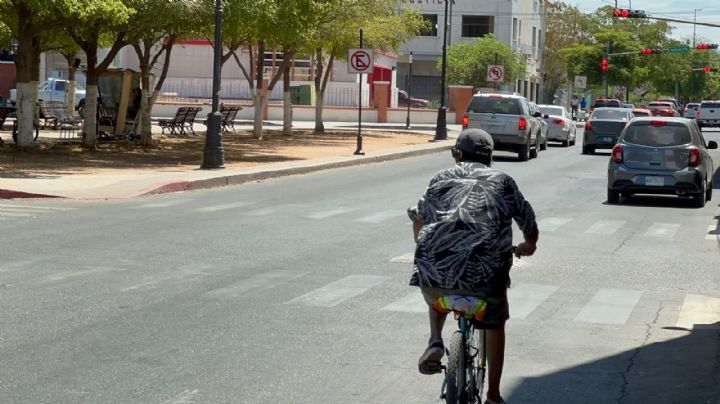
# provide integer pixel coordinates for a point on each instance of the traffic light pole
(604, 76)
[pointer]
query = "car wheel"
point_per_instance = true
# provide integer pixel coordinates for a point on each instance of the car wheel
(588, 149)
(565, 143)
(708, 193)
(535, 150)
(700, 198)
(524, 152)
(613, 196)
(544, 145)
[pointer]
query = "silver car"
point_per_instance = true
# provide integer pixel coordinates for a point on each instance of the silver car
(544, 127)
(603, 128)
(661, 155)
(561, 127)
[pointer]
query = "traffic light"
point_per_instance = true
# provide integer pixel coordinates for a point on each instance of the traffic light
(626, 13)
(604, 65)
(650, 51)
(705, 46)
(709, 69)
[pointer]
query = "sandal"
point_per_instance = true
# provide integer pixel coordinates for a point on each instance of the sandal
(429, 363)
(489, 401)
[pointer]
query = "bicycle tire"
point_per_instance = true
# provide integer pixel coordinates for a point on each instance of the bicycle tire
(37, 133)
(456, 372)
(480, 363)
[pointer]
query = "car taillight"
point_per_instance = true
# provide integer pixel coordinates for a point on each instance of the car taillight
(522, 124)
(686, 110)
(465, 122)
(588, 125)
(694, 158)
(617, 154)
(697, 113)
(559, 121)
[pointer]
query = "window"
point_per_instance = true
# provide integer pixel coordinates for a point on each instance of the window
(432, 20)
(477, 25)
(60, 86)
(658, 136)
(495, 105)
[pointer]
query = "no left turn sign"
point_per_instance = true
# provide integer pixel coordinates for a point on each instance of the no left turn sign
(495, 73)
(360, 60)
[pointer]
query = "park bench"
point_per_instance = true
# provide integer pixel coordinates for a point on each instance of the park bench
(189, 121)
(55, 115)
(228, 114)
(177, 123)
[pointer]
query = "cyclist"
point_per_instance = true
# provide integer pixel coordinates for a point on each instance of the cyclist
(463, 229)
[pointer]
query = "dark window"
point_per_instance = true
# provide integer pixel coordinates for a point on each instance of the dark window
(710, 104)
(606, 103)
(658, 136)
(477, 25)
(641, 113)
(60, 86)
(432, 21)
(499, 105)
(612, 114)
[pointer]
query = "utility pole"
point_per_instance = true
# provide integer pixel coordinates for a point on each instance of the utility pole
(604, 76)
(695, 23)
(441, 126)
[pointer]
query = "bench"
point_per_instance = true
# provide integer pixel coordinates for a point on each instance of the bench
(182, 121)
(55, 115)
(228, 114)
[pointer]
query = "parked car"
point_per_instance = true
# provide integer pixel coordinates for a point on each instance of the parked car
(603, 128)
(534, 110)
(54, 90)
(629, 106)
(708, 114)
(689, 111)
(640, 112)
(661, 156)
(507, 118)
(561, 127)
(605, 103)
(404, 100)
(663, 108)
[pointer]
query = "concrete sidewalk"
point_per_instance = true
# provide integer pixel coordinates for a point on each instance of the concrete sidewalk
(121, 184)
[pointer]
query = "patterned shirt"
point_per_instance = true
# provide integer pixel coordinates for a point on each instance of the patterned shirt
(466, 238)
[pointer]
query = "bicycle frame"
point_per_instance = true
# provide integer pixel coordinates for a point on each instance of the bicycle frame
(474, 375)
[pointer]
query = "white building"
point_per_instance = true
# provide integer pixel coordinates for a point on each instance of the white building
(519, 23)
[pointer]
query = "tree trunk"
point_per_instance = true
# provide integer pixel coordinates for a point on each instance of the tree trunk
(145, 108)
(90, 122)
(319, 70)
(258, 103)
(27, 63)
(287, 103)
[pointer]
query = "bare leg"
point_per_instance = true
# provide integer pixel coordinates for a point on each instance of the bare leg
(496, 358)
(437, 321)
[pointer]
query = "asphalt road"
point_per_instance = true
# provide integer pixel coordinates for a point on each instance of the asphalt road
(294, 290)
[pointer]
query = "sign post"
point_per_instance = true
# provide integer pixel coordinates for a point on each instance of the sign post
(360, 61)
(495, 74)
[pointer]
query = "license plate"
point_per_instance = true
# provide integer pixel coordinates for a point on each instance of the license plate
(607, 139)
(490, 128)
(654, 181)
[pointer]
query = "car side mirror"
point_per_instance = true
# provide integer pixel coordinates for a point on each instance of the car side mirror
(546, 116)
(537, 115)
(712, 145)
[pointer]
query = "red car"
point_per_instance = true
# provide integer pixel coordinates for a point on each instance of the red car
(641, 112)
(605, 102)
(663, 108)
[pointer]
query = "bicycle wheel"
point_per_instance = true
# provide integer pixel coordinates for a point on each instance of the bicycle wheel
(14, 133)
(456, 372)
(479, 362)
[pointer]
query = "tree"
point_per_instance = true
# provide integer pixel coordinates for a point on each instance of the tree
(467, 63)
(103, 23)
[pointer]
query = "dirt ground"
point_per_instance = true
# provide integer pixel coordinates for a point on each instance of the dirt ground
(54, 155)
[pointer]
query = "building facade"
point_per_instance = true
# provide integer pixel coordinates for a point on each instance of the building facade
(518, 23)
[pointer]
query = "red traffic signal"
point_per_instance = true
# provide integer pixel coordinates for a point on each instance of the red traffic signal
(709, 69)
(650, 51)
(604, 65)
(627, 13)
(705, 46)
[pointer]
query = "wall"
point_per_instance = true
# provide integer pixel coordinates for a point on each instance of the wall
(7, 78)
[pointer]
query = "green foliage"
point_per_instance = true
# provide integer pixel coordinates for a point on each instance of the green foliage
(467, 62)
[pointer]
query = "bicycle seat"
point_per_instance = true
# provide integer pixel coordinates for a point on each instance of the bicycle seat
(470, 307)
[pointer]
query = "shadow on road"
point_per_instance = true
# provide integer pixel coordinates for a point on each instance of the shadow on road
(657, 201)
(681, 370)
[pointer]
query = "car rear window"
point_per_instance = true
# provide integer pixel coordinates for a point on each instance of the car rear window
(499, 105)
(692, 106)
(641, 113)
(710, 104)
(606, 103)
(609, 114)
(557, 111)
(660, 104)
(657, 136)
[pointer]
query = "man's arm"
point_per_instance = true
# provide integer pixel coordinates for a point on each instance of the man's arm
(529, 246)
(417, 225)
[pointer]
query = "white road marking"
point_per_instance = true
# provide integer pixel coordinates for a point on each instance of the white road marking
(31, 207)
(16, 214)
(165, 204)
(226, 206)
(412, 303)
(713, 232)
(63, 275)
(526, 297)
(186, 397)
(552, 223)
(381, 216)
(258, 282)
(605, 227)
(329, 213)
(663, 230)
(610, 306)
(337, 292)
(700, 313)
(270, 210)
(408, 258)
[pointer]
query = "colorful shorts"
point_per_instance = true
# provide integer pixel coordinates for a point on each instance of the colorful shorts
(497, 310)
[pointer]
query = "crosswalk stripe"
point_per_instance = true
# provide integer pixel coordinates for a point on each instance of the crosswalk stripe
(526, 297)
(260, 281)
(380, 217)
(337, 292)
(662, 230)
(226, 206)
(31, 207)
(165, 204)
(408, 258)
(552, 223)
(329, 213)
(713, 232)
(605, 227)
(412, 303)
(16, 214)
(270, 210)
(700, 312)
(610, 306)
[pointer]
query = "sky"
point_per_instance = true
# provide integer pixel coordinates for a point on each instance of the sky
(708, 11)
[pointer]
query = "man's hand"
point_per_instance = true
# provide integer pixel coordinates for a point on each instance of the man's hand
(525, 249)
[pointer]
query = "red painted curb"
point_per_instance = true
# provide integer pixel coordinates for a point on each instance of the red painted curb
(10, 194)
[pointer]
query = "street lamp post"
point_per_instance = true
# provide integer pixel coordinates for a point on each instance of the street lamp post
(407, 90)
(441, 127)
(694, 23)
(214, 154)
